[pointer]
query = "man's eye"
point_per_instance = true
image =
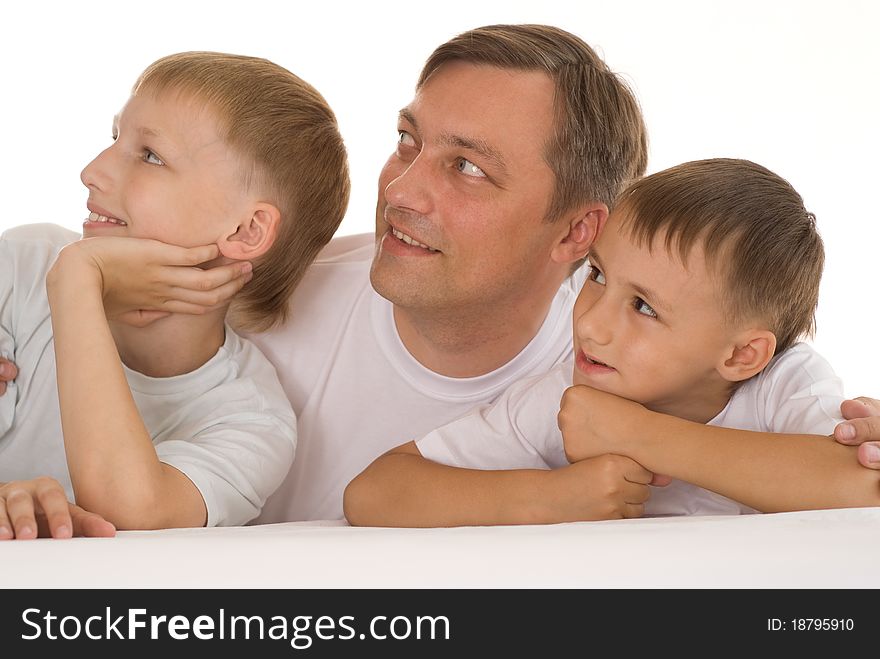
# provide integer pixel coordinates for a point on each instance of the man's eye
(468, 168)
(596, 275)
(405, 138)
(644, 308)
(152, 158)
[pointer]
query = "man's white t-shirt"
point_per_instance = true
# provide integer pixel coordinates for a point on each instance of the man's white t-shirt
(797, 392)
(356, 390)
(227, 425)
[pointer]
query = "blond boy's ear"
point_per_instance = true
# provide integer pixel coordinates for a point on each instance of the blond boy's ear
(751, 352)
(254, 236)
(581, 230)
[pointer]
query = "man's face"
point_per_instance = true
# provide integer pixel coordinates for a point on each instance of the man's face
(462, 200)
(648, 328)
(168, 176)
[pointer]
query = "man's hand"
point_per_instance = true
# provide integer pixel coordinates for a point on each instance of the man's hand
(862, 428)
(142, 280)
(39, 507)
(605, 487)
(8, 372)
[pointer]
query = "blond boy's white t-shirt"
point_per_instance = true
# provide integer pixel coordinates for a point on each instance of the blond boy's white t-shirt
(798, 392)
(227, 425)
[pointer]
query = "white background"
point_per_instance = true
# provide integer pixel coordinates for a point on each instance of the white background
(791, 85)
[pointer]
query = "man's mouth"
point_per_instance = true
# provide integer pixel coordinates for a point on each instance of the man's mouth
(409, 240)
(96, 217)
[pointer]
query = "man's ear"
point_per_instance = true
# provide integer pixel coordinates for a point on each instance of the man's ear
(748, 355)
(581, 230)
(254, 236)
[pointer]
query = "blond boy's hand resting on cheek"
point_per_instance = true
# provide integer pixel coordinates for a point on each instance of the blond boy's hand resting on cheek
(39, 508)
(142, 280)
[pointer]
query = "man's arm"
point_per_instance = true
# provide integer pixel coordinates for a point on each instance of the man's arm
(862, 429)
(402, 488)
(771, 472)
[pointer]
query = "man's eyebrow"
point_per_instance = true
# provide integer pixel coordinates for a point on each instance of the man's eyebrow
(647, 293)
(477, 145)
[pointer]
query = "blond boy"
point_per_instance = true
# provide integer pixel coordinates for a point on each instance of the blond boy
(699, 286)
(169, 419)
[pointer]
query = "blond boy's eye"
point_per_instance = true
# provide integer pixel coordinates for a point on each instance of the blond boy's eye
(152, 158)
(596, 275)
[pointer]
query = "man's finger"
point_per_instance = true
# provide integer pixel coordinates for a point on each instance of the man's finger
(857, 431)
(869, 455)
(20, 508)
(8, 371)
(856, 409)
(5, 525)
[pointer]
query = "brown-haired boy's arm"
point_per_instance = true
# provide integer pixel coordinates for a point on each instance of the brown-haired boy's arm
(402, 488)
(112, 462)
(771, 472)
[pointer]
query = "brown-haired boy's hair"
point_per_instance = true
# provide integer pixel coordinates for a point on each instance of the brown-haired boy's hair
(600, 143)
(753, 228)
(291, 150)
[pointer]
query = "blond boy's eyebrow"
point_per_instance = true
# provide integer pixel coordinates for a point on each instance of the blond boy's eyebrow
(644, 292)
(479, 146)
(149, 132)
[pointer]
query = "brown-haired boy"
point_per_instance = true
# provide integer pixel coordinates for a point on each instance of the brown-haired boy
(701, 282)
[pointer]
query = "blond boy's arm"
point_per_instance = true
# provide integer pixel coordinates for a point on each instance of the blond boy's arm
(113, 465)
(771, 472)
(402, 488)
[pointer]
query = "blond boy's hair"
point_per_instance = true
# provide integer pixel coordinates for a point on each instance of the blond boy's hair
(288, 140)
(599, 144)
(754, 230)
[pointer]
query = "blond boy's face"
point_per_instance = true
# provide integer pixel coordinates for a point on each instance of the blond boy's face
(168, 175)
(648, 328)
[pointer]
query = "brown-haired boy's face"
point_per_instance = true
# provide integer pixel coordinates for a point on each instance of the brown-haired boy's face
(650, 329)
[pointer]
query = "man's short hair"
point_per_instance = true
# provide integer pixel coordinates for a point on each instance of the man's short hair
(288, 140)
(600, 143)
(755, 232)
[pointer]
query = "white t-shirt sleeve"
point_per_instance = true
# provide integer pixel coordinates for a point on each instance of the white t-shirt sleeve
(517, 431)
(800, 393)
(235, 464)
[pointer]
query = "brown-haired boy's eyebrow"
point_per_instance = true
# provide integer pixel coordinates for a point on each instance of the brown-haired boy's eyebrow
(648, 294)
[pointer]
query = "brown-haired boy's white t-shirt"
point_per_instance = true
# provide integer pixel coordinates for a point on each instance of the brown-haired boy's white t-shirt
(798, 392)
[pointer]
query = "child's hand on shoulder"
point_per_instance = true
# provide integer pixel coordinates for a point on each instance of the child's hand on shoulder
(140, 280)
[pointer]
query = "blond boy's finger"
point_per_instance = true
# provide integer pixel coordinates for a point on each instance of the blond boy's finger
(633, 510)
(5, 525)
(53, 501)
(90, 525)
(869, 455)
(20, 508)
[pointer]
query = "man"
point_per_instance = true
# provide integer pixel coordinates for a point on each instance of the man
(511, 152)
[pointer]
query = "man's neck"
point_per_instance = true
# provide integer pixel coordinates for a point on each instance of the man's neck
(170, 346)
(462, 345)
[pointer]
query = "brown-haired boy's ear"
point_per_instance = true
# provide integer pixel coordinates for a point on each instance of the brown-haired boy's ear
(751, 352)
(581, 230)
(254, 236)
